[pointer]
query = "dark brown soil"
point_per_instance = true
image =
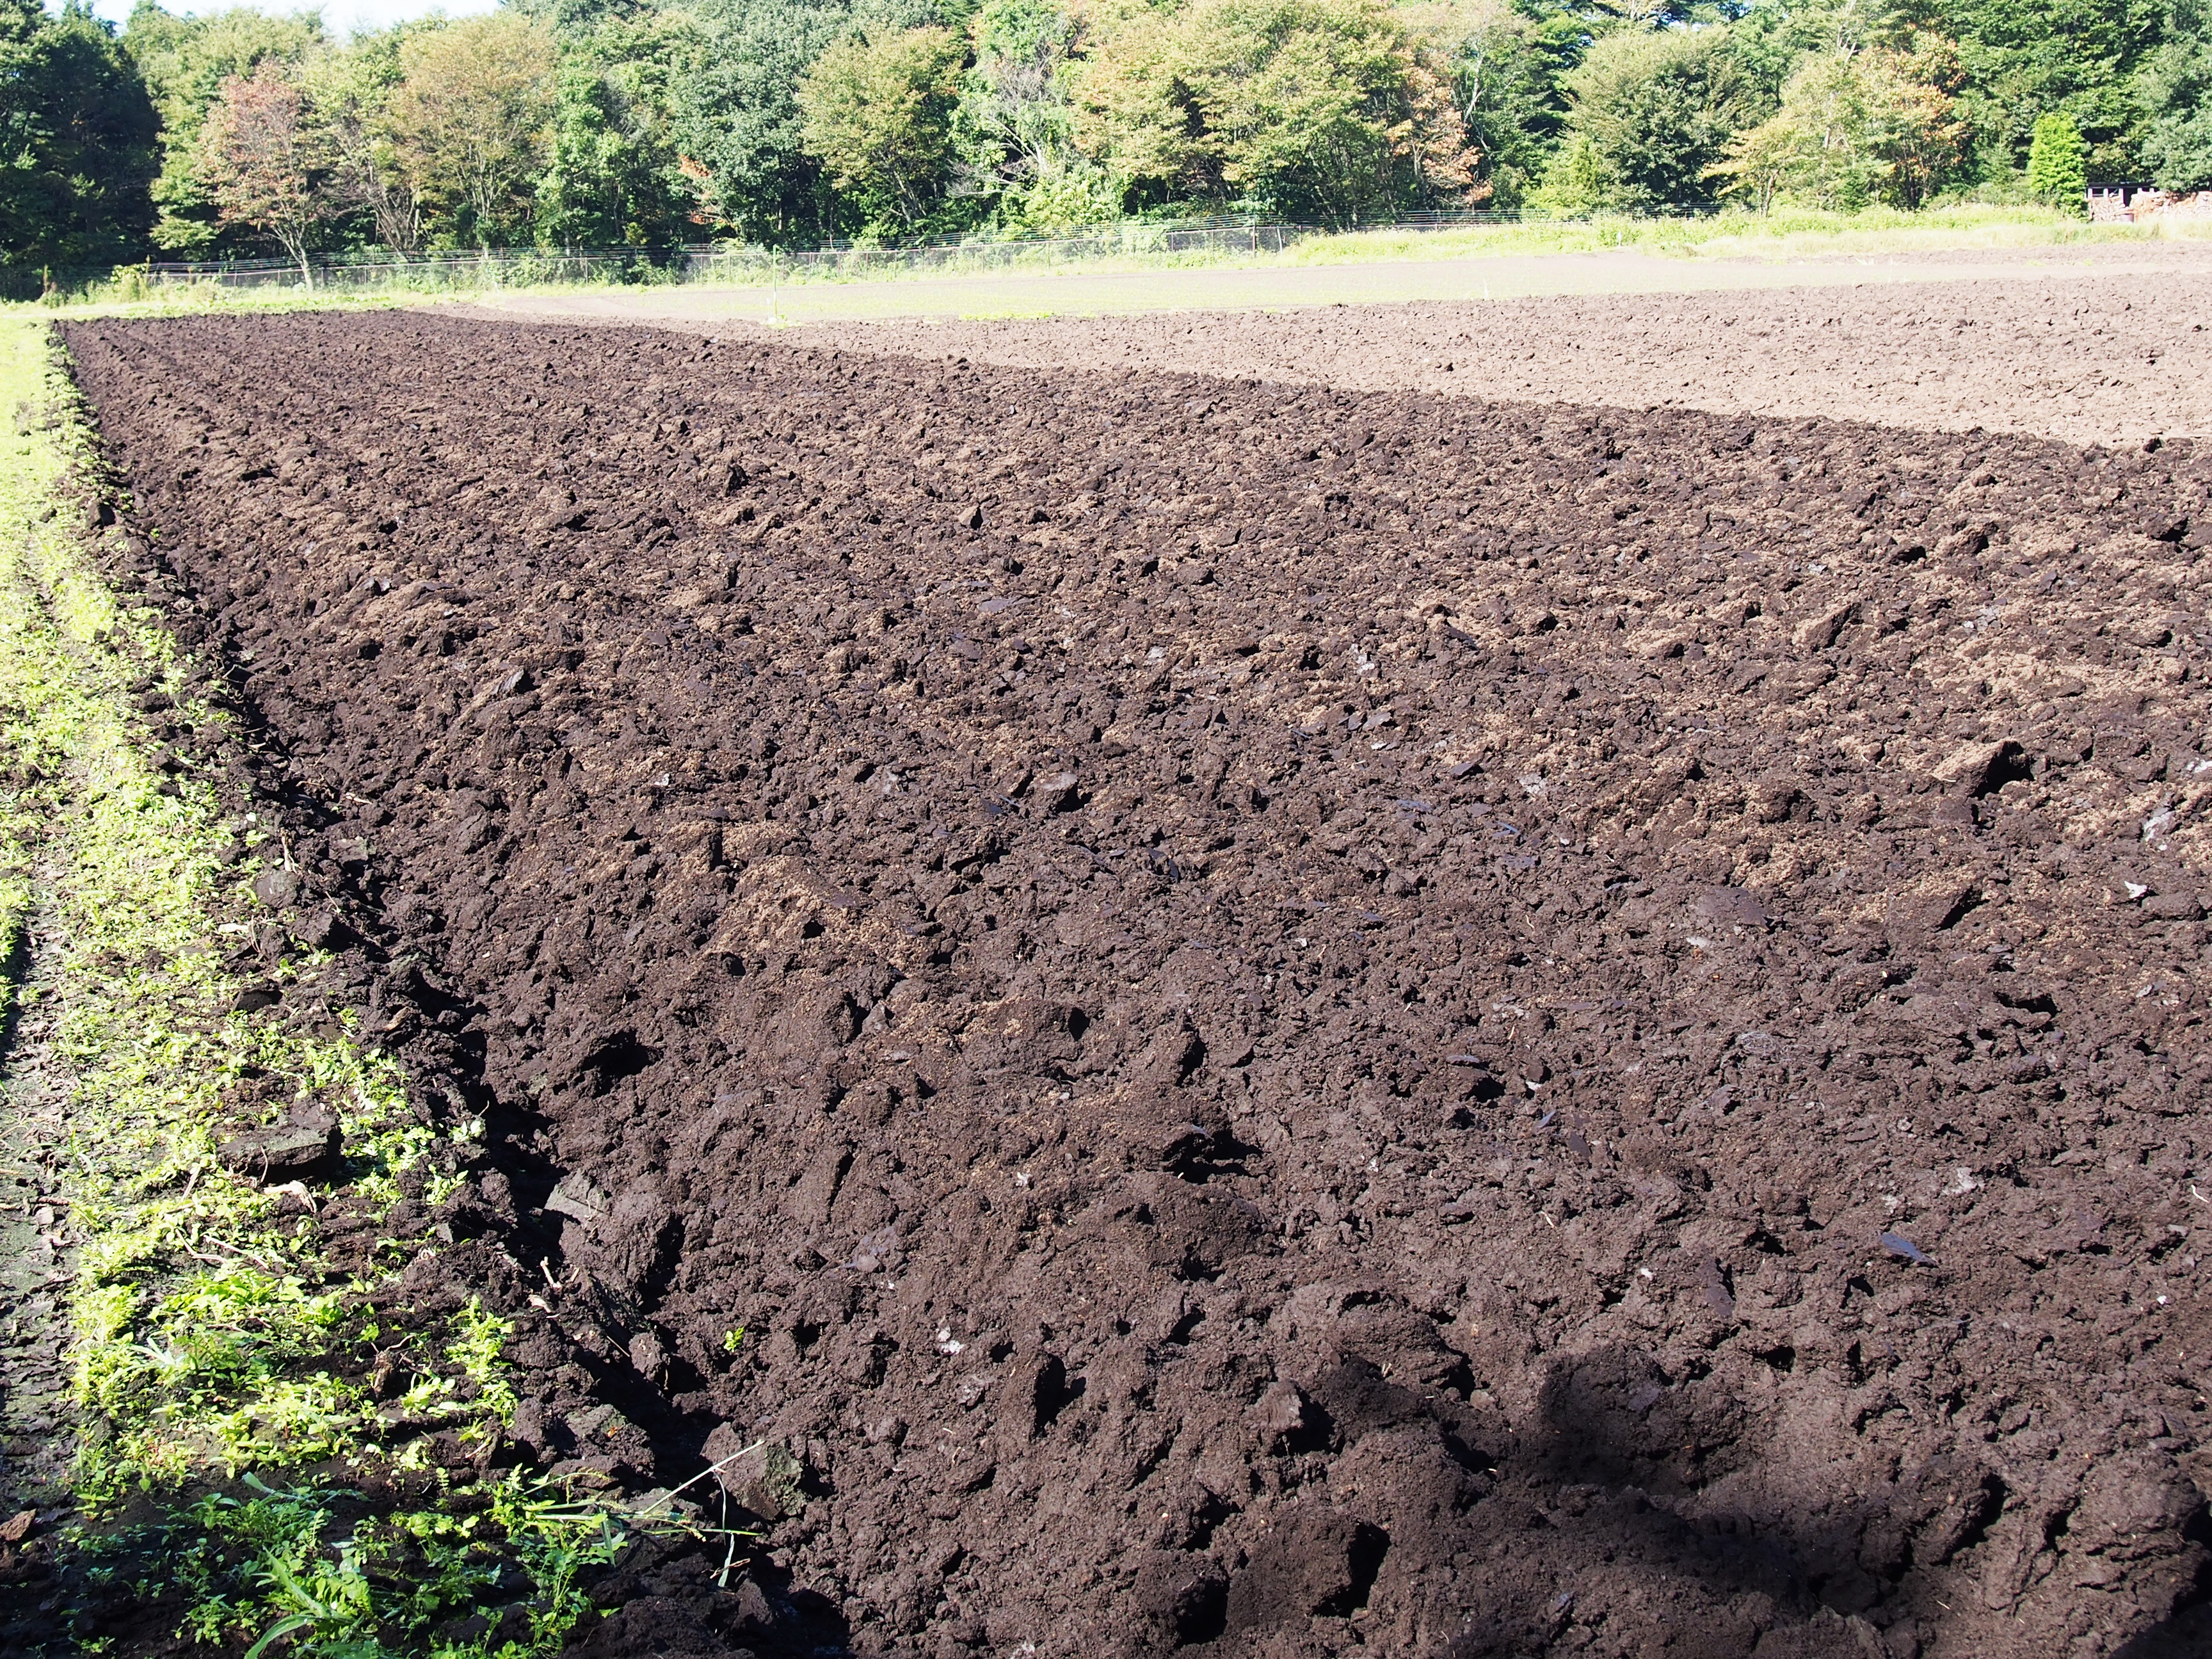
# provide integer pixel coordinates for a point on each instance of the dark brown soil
(37, 1260)
(1291, 1021)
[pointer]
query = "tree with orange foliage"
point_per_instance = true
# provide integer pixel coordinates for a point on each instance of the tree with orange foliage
(262, 162)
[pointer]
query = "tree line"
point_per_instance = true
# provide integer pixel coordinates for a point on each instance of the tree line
(652, 123)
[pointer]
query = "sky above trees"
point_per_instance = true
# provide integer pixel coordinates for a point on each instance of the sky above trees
(342, 17)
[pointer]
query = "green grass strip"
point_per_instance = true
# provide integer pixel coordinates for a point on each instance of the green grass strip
(216, 1356)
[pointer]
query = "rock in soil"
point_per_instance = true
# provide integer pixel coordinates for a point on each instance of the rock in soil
(1257, 1017)
(282, 1152)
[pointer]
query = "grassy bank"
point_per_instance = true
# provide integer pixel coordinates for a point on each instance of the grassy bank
(136, 299)
(265, 1444)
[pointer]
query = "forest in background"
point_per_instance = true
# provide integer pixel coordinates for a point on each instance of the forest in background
(791, 123)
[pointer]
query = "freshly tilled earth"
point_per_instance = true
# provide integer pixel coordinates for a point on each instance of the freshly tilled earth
(1199, 1013)
(2115, 354)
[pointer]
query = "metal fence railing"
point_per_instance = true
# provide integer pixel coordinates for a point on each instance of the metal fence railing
(742, 265)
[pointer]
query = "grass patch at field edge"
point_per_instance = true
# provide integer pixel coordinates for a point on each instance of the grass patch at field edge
(266, 1445)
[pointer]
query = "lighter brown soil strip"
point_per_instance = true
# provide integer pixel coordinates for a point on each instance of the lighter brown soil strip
(2114, 357)
(2092, 345)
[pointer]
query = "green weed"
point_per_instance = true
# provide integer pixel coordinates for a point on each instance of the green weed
(306, 1565)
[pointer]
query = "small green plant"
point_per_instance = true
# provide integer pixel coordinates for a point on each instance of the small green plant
(287, 1564)
(732, 1339)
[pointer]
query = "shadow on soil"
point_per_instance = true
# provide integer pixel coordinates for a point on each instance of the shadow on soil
(14, 968)
(1849, 1581)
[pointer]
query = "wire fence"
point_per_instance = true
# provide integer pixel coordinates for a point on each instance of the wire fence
(742, 266)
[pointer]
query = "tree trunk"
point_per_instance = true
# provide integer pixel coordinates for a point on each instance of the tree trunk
(294, 240)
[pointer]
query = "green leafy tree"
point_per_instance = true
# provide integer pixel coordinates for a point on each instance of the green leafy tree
(1519, 120)
(1763, 162)
(186, 61)
(79, 134)
(737, 120)
(1014, 124)
(1930, 142)
(1657, 109)
(2024, 57)
(1331, 111)
(1774, 37)
(263, 164)
(2175, 90)
(349, 92)
(1577, 182)
(1854, 128)
(616, 176)
(1325, 109)
(2057, 171)
(1508, 61)
(471, 123)
(878, 113)
(577, 19)
(1134, 112)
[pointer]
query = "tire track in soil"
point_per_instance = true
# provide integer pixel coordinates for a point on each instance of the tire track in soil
(1289, 1018)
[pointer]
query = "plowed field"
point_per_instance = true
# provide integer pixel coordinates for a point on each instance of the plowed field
(1298, 1020)
(2094, 345)
(2111, 354)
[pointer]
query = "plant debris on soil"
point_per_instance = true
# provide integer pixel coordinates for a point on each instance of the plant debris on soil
(1177, 1012)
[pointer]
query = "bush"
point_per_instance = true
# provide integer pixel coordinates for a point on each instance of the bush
(1655, 109)
(2058, 163)
(1576, 184)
